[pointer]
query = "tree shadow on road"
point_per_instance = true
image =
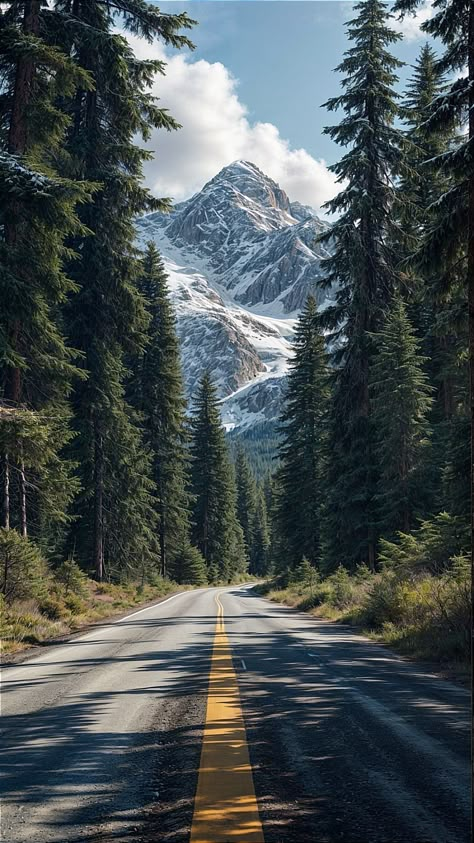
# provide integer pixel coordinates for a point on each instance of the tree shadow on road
(327, 767)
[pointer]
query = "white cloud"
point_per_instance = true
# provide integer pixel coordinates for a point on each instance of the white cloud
(410, 25)
(217, 130)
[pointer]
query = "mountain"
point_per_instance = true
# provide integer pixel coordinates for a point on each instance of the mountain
(241, 259)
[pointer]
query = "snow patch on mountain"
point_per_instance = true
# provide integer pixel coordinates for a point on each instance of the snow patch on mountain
(233, 344)
(241, 260)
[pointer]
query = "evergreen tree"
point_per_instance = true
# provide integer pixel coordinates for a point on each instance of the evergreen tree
(436, 309)
(189, 565)
(270, 496)
(260, 563)
(362, 272)
(216, 531)
(447, 250)
(108, 319)
(24, 573)
(401, 400)
(157, 391)
(37, 214)
(424, 180)
(300, 477)
(453, 24)
(246, 499)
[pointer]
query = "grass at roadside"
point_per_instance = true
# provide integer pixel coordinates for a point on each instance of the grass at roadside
(25, 623)
(424, 616)
(72, 602)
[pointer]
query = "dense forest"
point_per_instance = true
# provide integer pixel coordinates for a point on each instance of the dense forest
(106, 469)
(373, 489)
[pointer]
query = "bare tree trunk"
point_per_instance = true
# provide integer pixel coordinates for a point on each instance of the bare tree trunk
(6, 492)
(23, 512)
(99, 505)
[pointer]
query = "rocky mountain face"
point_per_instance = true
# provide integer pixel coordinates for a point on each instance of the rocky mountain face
(241, 259)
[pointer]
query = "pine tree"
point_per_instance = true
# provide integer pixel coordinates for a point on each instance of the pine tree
(260, 563)
(424, 180)
(158, 393)
(23, 571)
(303, 428)
(37, 214)
(189, 565)
(216, 531)
(362, 272)
(246, 499)
(401, 400)
(436, 309)
(448, 244)
(270, 496)
(108, 319)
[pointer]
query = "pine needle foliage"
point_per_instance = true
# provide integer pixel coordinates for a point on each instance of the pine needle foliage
(453, 24)
(23, 570)
(216, 531)
(260, 560)
(246, 499)
(446, 249)
(362, 270)
(38, 213)
(189, 565)
(157, 392)
(401, 399)
(303, 429)
(108, 320)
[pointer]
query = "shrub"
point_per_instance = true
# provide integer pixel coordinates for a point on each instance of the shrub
(72, 578)
(23, 571)
(453, 600)
(442, 539)
(340, 588)
(362, 574)
(53, 607)
(305, 574)
(74, 604)
(383, 601)
(431, 548)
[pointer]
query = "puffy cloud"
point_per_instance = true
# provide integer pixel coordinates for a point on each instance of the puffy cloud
(410, 25)
(216, 130)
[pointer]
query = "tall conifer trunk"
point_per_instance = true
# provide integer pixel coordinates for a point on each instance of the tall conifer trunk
(470, 271)
(98, 504)
(6, 493)
(163, 526)
(17, 143)
(23, 509)
(25, 72)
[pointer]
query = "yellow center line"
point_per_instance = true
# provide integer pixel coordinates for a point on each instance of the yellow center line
(225, 806)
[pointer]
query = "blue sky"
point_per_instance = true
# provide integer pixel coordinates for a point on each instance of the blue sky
(262, 69)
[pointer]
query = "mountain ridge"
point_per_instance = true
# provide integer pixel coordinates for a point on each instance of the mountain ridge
(241, 260)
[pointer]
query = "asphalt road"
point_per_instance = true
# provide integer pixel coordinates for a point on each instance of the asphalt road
(347, 742)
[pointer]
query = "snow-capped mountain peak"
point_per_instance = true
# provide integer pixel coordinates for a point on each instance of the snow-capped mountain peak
(242, 259)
